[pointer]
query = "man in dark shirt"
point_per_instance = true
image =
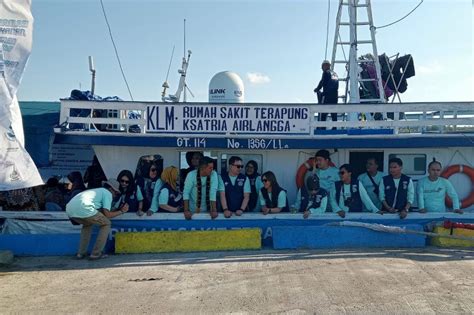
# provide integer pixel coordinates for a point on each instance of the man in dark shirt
(330, 84)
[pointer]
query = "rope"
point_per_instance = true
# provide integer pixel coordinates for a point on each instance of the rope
(379, 27)
(396, 230)
(116, 52)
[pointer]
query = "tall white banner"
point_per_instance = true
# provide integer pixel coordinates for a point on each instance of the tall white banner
(17, 169)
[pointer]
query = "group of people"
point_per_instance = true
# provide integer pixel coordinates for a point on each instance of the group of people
(200, 189)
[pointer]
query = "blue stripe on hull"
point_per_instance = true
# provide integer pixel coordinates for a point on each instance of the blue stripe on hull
(369, 142)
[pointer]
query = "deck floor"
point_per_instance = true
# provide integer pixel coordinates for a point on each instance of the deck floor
(428, 280)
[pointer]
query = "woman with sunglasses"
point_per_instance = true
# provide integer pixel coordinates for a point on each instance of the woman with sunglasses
(130, 193)
(169, 197)
(150, 185)
(349, 195)
(272, 197)
(251, 170)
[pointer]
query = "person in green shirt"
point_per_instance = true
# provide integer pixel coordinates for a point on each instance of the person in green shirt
(200, 190)
(93, 207)
(432, 191)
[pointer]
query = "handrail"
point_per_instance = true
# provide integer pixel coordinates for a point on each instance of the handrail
(438, 117)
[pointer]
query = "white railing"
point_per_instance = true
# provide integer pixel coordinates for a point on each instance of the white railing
(416, 117)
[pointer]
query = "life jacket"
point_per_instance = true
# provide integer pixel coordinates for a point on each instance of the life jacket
(175, 199)
(391, 191)
(316, 199)
(268, 201)
(234, 194)
(131, 200)
(355, 203)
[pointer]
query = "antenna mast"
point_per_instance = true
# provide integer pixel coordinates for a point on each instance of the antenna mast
(92, 70)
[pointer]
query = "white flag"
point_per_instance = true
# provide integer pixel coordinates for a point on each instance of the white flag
(17, 169)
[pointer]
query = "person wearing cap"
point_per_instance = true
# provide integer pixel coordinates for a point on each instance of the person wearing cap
(329, 83)
(311, 198)
(93, 207)
(326, 173)
(235, 194)
(349, 195)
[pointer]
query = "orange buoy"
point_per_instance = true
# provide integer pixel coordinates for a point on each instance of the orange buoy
(469, 172)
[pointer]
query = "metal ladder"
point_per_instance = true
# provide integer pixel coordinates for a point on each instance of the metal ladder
(352, 65)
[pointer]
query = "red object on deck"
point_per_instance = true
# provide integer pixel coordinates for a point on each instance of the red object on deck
(449, 225)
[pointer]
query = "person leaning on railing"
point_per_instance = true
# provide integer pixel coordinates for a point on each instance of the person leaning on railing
(200, 190)
(397, 191)
(432, 191)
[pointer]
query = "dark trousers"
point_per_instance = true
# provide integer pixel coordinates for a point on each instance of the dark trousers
(326, 100)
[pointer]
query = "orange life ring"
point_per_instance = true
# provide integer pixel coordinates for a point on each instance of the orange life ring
(469, 171)
(301, 172)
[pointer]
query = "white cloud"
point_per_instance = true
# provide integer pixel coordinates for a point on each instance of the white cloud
(430, 68)
(257, 78)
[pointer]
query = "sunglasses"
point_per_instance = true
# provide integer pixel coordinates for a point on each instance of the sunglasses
(237, 165)
(264, 180)
(152, 169)
(125, 181)
(342, 173)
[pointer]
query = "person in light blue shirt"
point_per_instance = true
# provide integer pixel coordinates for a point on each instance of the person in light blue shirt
(272, 197)
(93, 207)
(200, 190)
(313, 199)
(155, 200)
(130, 193)
(397, 192)
(349, 195)
(371, 181)
(236, 193)
(326, 173)
(170, 199)
(432, 191)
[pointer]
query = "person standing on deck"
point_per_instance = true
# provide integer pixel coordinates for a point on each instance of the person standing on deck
(236, 194)
(93, 207)
(397, 192)
(432, 191)
(349, 195)
(371, 181)
(330, 84)
(200, 190)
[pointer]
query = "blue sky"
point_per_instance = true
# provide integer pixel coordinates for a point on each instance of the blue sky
(275, 46)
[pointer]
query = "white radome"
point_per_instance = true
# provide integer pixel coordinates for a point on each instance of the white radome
(226, 87)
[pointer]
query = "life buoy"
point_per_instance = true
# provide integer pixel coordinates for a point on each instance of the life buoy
(301, 172)
(464, 169)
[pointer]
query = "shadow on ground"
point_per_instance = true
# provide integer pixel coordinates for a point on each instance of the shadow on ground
(428, 254)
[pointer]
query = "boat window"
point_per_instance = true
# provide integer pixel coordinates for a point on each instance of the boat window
(245, 158)
(413, 164)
